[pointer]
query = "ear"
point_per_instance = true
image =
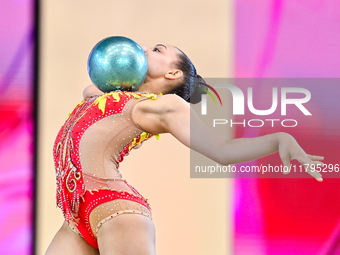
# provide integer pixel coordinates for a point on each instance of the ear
(173, 74)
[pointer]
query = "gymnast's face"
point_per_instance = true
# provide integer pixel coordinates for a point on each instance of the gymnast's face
(161, 61)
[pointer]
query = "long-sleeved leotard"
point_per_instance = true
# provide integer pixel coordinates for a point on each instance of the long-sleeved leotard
(87, 151)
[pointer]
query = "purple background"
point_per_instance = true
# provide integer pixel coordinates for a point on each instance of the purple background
(16, 126)
(290, 39)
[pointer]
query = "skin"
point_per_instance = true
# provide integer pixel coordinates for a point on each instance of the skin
(67, 242)
(135, 234)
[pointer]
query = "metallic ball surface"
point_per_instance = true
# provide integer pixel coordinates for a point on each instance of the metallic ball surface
(117, 63)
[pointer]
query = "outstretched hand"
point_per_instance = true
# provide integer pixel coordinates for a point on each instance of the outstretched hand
(289, 150)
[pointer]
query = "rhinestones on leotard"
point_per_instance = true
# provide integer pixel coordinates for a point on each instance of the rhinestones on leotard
(104, 122)
(124, 203)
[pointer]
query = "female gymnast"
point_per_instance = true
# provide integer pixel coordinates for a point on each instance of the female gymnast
(103, 212)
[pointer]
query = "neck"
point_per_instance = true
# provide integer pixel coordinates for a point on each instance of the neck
(151, 87)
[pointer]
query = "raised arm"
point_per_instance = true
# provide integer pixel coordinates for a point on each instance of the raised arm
(171, 114)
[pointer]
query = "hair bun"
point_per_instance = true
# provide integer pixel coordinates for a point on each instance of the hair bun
(197, 90)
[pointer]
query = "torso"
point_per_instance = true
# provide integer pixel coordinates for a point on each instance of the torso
(91, 144)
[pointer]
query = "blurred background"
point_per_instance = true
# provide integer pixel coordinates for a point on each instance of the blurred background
(44, 50)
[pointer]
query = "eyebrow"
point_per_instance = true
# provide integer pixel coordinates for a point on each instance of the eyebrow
(162, 45)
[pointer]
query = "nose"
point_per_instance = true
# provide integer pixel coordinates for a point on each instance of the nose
(144, 48)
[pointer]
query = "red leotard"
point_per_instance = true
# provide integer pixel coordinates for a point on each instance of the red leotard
(87, 151)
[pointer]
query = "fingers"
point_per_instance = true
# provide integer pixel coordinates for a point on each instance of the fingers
(312, 169)
(314, 157)
(311, 163)
(286, 163)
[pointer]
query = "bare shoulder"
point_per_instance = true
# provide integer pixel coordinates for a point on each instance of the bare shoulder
(164, 103)
(153, 115)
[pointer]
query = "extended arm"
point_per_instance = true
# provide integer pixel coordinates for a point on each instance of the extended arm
(171, 114)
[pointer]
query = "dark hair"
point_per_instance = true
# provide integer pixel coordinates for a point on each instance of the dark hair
(190, 86)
